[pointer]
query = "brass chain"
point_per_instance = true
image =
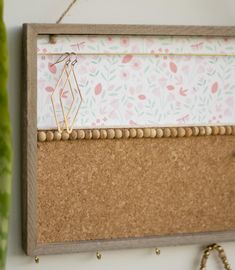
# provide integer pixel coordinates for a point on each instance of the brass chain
(221, 253)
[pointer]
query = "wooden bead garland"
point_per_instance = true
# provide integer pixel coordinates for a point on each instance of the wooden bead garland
(95, 134)
(42, 136)
(126, 133)
(118, 133)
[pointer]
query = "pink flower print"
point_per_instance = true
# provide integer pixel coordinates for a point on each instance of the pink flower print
(124, 42)
(52, 68)
(127, 58)
(131, 122)
(214, 87)
(98, 89)
(49, 89)
(173, 67)
(142, 97)
(109, 39)
(170, 87)
(136, 65)
(124, 75)
(183, 92)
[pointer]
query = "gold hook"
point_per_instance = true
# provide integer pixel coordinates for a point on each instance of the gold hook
(98, 255)
(36, 259)
(157, 251)
(61, 58)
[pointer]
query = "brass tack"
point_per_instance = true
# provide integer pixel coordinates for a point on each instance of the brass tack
(126, 133)
(42, 136)
(188, 132)
(111, 133)
(50, 136)
(65, 135)
(153, 133)
(195, 131)
(103, 134)
(118, 133)
(157, 251)
(229, 130)
(159, 132)
(132, 132)
(81, 134)
(166, 132)
(57, 136)
(207, 253)
(202, 131)
(181, 132)
(95, 134)
(174, 132)
(208, 131)
(98, 255)
(73, 135)
(222, 130)
(147, 132)
(36, 259)
(88, 134)
(139, 133)
(215, 130)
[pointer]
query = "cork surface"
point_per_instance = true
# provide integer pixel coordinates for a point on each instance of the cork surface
(109, 189)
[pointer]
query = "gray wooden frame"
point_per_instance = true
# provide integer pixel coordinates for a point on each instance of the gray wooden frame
(29, 136)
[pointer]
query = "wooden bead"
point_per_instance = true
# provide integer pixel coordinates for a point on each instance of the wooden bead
(126, 133)
(208, 131)
(81, 134)
(147, 132)
(181, 132)
(57, 136)
(95, 134)
(159, 132)
(233, 130)
(188, 132)
(202, 131)
(42, 136)
(64, 135)
(132, 132)
(166, 132)
(153, 133)
(73, 135)
(88, 134)
(222, 130)
(195, 131)
(103, 134)
(229, 130)
(174, 132)
(50, 136)
(118, 133)
(139, 133)
(110, 133)
(215, 130)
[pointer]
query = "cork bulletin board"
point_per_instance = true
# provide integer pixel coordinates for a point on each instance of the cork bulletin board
(128, 136)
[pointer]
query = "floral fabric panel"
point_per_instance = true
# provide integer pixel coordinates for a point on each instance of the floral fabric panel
(137, 90)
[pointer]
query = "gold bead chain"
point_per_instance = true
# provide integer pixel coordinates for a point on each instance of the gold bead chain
(221, 254)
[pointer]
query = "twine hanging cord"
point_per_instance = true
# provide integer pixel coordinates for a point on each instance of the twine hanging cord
(52, 37)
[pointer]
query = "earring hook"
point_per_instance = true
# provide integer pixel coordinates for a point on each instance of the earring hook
(62, 58)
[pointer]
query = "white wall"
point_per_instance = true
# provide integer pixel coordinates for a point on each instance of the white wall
(203, 12)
